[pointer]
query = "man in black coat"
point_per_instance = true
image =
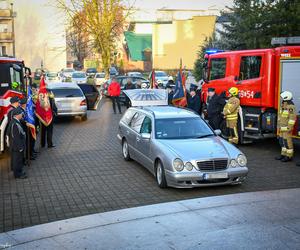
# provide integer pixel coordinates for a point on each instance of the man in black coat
(170, 90)
(17, 144)
(14, 103)
(129, 85)
(48, 131)
(215, 106)
(194, 102)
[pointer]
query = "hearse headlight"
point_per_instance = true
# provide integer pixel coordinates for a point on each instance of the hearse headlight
(242, 160)
(178, 164)
(233, 163)
(189, 166)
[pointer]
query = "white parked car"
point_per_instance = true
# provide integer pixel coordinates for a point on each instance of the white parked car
(79, 77)
(51, 77)
(99, 79)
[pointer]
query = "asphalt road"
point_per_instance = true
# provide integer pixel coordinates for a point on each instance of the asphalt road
(86, 174)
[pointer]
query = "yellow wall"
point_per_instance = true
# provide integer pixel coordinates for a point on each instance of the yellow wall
(181, 39)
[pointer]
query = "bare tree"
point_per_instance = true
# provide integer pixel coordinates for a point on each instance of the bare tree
(104, 21)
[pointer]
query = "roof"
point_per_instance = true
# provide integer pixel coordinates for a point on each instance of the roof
(170, 112)
(62, 85)
(137, 44)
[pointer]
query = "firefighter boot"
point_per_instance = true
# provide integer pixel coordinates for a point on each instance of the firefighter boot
(279, 158)
(286, 159)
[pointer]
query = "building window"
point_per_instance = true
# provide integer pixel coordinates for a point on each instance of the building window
(250, 67)
(3, 27)
(217, 68)
(3, 51)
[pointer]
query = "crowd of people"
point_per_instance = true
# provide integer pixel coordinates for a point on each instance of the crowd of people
(20, 138)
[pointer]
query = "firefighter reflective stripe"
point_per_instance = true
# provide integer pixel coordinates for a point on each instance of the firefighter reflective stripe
(292, 122)
(284, 128)
(289, 153)
(285, 113)
(235, 116)
(283, 151)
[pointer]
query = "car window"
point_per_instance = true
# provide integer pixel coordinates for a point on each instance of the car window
(128, 116)
(87, 88)
(78, 75)
(67, 92)
(181, 128)
(217, 68)
(250, 67)
(146, 126)
(137, 121)
(102, 75)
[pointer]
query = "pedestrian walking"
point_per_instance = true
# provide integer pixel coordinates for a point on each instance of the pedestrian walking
(230, 111)
(47, 131)
(114, 91)
(286, 122)
(215, 105)
(129, 85)
(194, 102)
(17, 144)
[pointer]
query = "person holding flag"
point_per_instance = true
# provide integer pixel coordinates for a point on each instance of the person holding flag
(153, 83)
(30, 122)
(45, 111)
(179, 96)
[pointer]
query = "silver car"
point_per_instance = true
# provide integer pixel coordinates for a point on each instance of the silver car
(178, 147)
(69, 99)
(79, 77)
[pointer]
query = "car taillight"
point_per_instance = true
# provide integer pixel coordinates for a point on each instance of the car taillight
(83, 103)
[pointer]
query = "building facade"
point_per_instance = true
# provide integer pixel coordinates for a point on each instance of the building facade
(6, 29)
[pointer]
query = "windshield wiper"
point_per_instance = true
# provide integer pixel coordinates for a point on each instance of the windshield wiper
(203, 136)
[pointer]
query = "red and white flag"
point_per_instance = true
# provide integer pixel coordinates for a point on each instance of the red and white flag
(43, 108)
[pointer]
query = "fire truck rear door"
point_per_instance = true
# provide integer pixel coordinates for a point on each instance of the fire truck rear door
(290, 81)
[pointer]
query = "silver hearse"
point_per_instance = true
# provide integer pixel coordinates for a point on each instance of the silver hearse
(176, 145)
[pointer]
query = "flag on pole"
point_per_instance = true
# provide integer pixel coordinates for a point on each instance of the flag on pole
(43, 108)
(30, 116)
(153, 83)
(179, 97)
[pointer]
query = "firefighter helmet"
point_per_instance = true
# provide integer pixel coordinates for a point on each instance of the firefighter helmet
(233, 91)
(286, 96)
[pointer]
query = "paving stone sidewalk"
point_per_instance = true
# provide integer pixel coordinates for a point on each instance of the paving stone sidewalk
(86, 174)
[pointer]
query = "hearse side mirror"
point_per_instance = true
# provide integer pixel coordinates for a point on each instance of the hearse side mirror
(146, 136)
(218, 132)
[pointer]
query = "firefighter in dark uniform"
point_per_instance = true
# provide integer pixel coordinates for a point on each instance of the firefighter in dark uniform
(17, 144)
(231, 111)
(170, 90)
(14, 103)
(286, 122)
(47, 131)
(215, 105)
(194, 102)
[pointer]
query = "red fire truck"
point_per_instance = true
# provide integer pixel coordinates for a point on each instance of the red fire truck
(12, 83)
(260, 75)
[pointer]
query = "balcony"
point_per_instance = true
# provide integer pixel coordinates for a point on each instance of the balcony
(5, 14)
(6, 37)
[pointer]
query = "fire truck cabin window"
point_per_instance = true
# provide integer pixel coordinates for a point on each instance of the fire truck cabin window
(250, 67)
(15, 78)
(217, 68)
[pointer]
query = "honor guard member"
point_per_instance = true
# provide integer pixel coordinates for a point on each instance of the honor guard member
(298, 133)
(47, 131)
(230, 111)
(286, 122)
(215, 105)
(17, 144)
(14, 103)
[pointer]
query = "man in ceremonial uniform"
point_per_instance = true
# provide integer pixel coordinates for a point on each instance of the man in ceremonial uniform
(231, 111)
(14, 103)
(286, 122)
(47, 131)
(17, 144)
(215, 105)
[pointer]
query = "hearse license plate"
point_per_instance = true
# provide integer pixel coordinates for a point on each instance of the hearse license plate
(211, 176)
